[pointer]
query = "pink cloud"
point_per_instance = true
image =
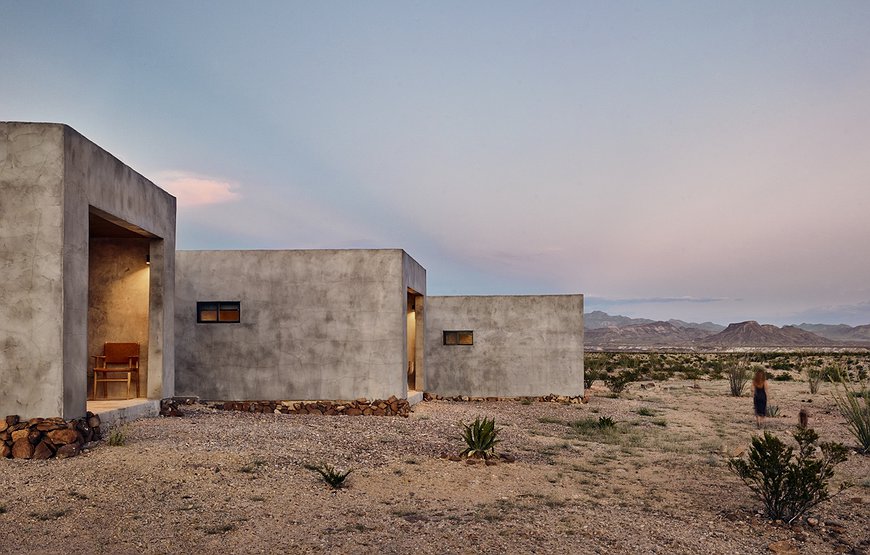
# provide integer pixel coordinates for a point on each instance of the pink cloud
(196, 190)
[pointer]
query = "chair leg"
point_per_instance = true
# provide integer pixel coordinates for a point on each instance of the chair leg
(129, 377)
(95, 386)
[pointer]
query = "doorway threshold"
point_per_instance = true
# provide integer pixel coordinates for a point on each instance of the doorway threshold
(414, 397)
(116, 412)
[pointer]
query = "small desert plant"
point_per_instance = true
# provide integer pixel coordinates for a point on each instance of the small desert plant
(854, 405)
(815, 376)
(646, 411)
(117, 437)
(590, 375)
(605, 422)
(480, 437)
(333, 476)
(618, 382)
(786, 483)
(783, 377)
(738, 377)
(772, 411)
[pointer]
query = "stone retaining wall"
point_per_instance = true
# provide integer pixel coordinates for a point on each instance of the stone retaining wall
(360, 407)
(551, 398)
(44, 438)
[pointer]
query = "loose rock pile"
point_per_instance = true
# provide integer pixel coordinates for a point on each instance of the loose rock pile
(360, 407)
(551, 398)
(44, 438)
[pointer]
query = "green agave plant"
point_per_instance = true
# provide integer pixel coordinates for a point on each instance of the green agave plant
(480, 437)
(333, 476)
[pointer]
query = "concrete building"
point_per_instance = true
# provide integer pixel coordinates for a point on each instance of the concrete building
(306, 324)
(87, 249)
(77, 228)
(505, 346)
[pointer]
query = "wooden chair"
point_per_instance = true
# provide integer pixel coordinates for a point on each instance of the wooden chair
(117, 358)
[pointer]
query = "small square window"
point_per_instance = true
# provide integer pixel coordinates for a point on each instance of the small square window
(218, 312)
(458, 337)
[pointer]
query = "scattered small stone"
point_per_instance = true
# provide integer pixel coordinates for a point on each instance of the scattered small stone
(783, 547)
(812, 521)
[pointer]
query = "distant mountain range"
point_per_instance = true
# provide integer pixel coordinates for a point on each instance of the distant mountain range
(604, 331)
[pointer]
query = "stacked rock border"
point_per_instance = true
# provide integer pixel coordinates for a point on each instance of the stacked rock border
(44, 438)
(551, 398)
(360, 407)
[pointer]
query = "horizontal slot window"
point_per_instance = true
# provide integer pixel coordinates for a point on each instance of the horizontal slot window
(458, 337)
(218, 312)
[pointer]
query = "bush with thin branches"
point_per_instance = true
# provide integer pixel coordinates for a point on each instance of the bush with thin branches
(738, 377)
(789, 484)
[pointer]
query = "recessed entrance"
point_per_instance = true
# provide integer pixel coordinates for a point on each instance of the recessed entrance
(414, 338)
(119, 281)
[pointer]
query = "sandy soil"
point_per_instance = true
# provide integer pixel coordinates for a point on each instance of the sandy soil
(219, 482)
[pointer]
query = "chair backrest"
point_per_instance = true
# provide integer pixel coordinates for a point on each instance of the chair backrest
(120, 353)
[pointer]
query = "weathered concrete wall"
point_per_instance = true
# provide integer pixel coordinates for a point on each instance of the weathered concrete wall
(94, 179)
(51, 178)
(31, 246)
(523, 346)
(118, 308)
(320, 324)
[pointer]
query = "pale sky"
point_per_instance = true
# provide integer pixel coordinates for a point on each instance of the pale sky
(693, 160)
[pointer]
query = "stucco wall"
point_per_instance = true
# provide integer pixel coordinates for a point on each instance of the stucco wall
(94, 179)
(118, 307)
(31, 245)
(51, 177)
(320, 324)
(523, 345)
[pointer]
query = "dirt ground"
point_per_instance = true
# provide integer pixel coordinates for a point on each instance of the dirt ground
(225, 482)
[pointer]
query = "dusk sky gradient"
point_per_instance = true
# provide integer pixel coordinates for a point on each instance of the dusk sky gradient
(692, 160)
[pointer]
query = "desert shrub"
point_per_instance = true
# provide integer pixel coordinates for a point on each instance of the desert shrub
(772, 411)
(815, 377)
(854, 405)
(738, 377)
(646, 411)
(619, 381)
(334, 477)
(789, 484)
(592, 425)
(605, 422)
(783, 377)
(117, 437)
(480, 438)
(590, 375)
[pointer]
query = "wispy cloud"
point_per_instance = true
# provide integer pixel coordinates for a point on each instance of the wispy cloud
(196, 190)
(606, 301)
(851, 314)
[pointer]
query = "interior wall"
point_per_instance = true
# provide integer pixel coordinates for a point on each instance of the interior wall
(118, 293)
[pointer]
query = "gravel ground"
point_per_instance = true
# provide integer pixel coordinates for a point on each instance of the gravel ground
(224, 482)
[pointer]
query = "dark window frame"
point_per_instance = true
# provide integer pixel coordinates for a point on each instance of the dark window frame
(456, 334)
(218, 307)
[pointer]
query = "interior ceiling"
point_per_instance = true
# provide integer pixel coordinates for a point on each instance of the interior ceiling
(101, 227)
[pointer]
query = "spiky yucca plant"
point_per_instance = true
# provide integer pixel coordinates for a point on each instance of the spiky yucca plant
(854, 405)
(333, 476)
(480, 436)
(606, 422)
